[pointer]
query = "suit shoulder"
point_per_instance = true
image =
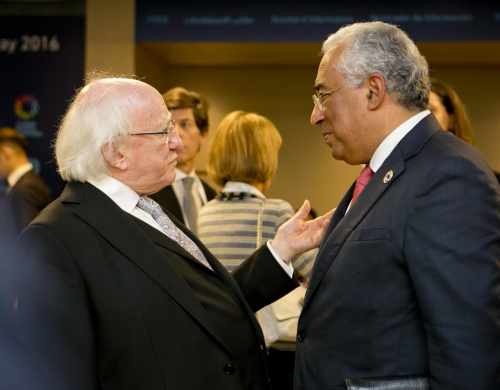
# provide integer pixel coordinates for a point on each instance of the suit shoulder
(32, 187)
(56, 216)
(209, 191)
(449, 153)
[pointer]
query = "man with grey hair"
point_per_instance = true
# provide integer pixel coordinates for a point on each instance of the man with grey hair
(114, 293)
(405, 290)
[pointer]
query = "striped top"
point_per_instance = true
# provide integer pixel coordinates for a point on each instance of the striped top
(230, 227)
(237, 222)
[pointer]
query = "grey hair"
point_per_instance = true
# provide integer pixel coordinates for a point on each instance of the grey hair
(384, 49)
(101, 112)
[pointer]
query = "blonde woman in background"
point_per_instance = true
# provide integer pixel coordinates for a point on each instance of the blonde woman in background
(243, 159)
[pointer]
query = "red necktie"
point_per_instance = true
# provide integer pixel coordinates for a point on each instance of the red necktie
(361, 182)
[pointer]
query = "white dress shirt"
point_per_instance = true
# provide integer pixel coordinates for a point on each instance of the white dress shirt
(124, 197)
(392, 140)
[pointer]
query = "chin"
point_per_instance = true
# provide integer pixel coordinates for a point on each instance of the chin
(169, 178)
(336, 154)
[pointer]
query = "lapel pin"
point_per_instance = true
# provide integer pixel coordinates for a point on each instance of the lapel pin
(388, 176)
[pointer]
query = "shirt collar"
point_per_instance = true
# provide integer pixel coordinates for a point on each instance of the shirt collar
(238, 186)
(179, 175)
(392, 140)
(17, 173)
(120, 193)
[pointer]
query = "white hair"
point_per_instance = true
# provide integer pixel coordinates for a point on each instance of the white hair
(382, 48)
(101, 112)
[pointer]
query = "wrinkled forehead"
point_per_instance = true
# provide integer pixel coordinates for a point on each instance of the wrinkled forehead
(149, 110)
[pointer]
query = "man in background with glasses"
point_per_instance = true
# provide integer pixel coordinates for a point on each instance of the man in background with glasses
(405, 290)
(114, 293)
(185, 196)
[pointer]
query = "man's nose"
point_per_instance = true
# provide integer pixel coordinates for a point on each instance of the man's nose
(174, 140)
(316, 115)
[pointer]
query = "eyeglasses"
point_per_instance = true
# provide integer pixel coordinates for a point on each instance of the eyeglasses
(166, 134)
(319, 98)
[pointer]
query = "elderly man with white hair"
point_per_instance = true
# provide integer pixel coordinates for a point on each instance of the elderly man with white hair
(120, 295)
(405, 290)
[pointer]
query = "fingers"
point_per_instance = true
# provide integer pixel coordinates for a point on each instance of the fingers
(327, 216)
(303, 212)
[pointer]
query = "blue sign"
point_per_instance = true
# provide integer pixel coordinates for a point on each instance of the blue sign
(280, 21)
(41, 65)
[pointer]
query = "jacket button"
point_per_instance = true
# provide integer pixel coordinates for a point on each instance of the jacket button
(300, 336)
(228, 369)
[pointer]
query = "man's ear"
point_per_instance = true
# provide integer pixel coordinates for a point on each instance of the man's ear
(376, 91)
(112, 154)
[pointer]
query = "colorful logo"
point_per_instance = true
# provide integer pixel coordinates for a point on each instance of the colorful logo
(26, 107)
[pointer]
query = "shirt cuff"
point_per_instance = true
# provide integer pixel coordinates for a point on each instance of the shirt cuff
(287, 267)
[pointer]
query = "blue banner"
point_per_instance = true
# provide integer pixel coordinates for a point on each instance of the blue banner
(41, 65)
(280, 21)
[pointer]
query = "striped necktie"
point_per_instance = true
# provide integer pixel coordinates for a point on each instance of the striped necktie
(170, 229)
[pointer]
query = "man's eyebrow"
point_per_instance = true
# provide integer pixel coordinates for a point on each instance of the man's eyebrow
(318, 87)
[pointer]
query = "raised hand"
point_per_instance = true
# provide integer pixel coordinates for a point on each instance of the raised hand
(299, 234)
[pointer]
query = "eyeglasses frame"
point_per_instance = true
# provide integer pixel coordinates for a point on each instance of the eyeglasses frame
(319, 98)
(167, 132)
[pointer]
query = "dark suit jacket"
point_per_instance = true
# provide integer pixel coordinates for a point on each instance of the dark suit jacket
(27, 198)
(404, 283)
(103, 306)
(168, 201)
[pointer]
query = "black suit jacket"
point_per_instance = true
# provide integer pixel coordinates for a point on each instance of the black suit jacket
(167, 199)
(407, 283)
(27, 198)
(103, 306)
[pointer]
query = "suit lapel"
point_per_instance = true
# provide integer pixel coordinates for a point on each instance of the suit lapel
(343, 224)
(124, 234)
(169, 244)
(219, 270)
(169, 202)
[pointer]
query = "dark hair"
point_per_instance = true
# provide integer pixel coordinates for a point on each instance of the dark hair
(454, 106)
(10, 136)
(180, 97)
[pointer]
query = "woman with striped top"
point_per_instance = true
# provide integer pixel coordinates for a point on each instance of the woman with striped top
(243, 159)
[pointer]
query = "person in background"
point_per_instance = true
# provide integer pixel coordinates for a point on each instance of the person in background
(113, 292)
(449, 110)
(404, 293)
(26, 194)
(243, 159)
(185, 196)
